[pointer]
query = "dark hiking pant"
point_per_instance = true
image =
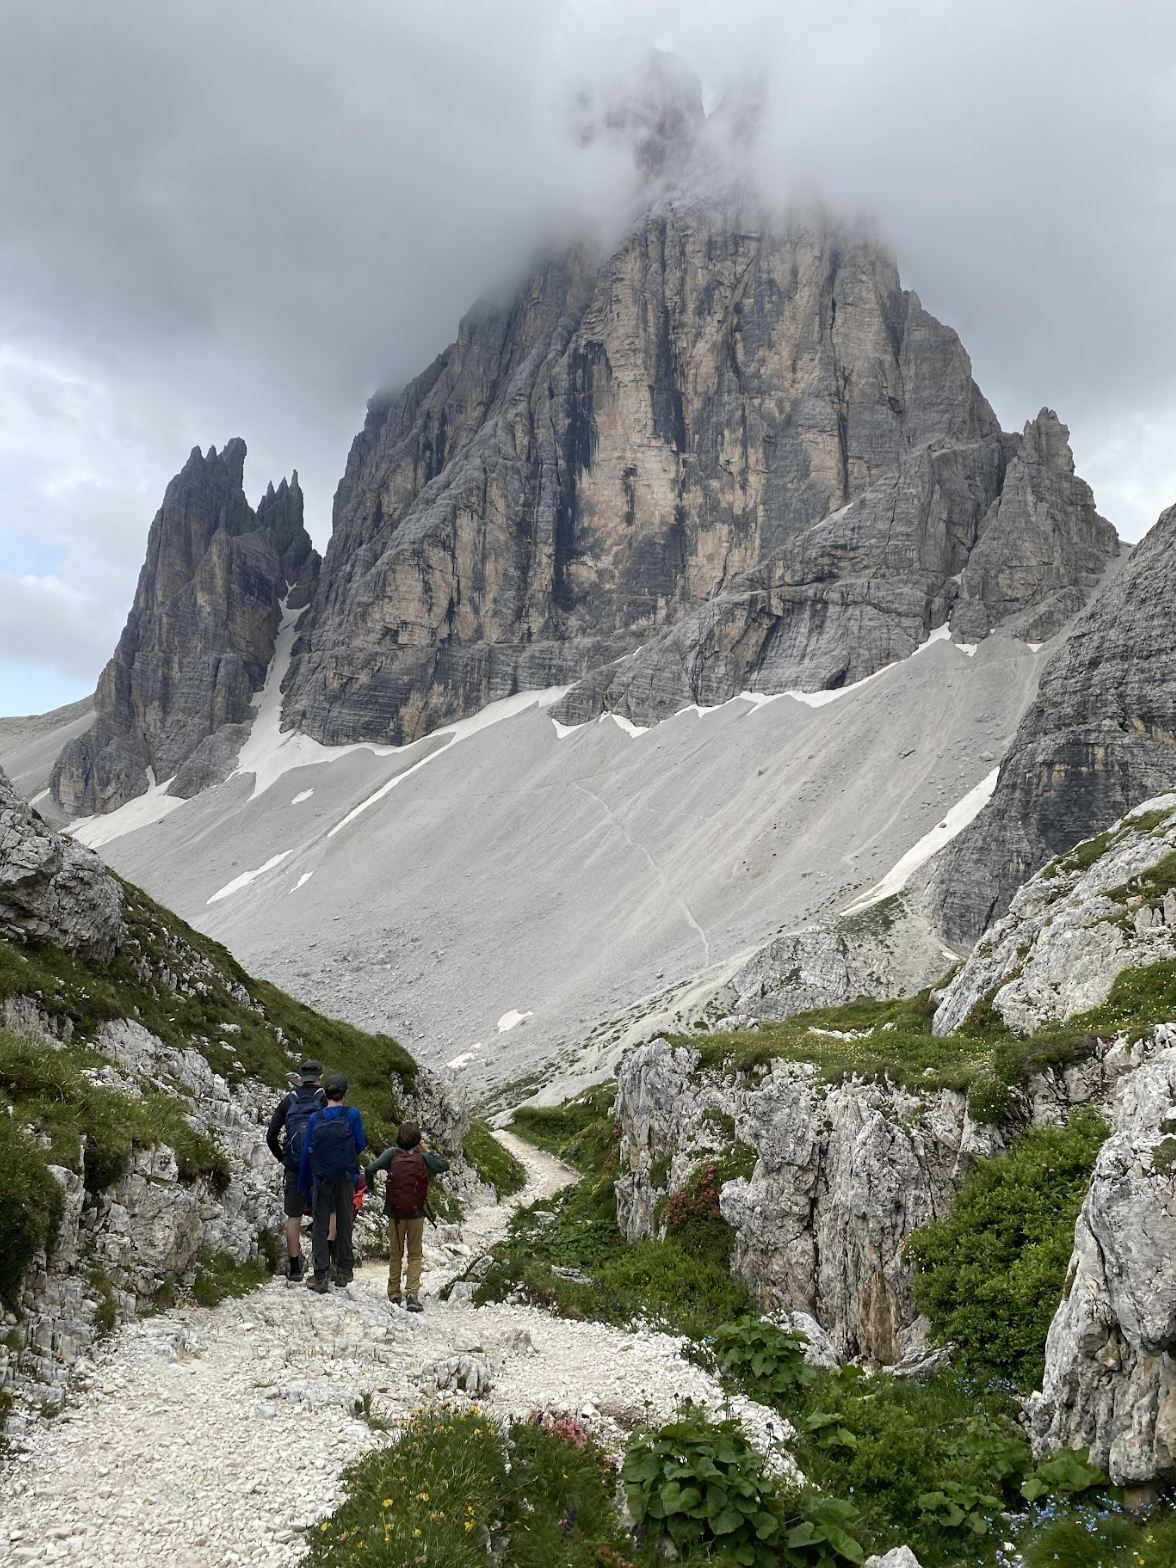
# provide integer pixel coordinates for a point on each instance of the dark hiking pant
(337, 1198)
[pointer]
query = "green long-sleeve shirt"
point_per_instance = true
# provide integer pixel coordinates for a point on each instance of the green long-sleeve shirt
(434, 1164)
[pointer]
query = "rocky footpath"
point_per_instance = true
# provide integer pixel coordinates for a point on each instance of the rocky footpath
(137, 1241)
(207, 1438)
(1099, 740)
(1107, 907)
(198, 641)
(1110, 1372)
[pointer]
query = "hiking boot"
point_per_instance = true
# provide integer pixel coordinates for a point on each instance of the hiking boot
(295, 1271)
(319, 1283)
(341, 1280)
(393, 1301)
(413, 1304)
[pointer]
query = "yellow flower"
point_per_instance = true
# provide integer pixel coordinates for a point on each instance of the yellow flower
(416, 1532)
(387, 1503)
(469, 1524)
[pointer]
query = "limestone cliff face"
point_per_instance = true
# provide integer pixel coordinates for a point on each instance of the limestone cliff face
(736, 440)
(1099, 740)
(200, 635)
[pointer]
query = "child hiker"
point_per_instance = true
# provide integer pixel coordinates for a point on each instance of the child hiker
(409, 1165)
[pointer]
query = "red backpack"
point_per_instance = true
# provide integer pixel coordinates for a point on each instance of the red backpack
(408, 1183)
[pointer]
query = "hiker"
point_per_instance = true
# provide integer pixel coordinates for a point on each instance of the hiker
(330, 1160)
(285, 1134)
(409, 1165)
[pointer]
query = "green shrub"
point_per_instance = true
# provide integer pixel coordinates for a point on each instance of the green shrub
(990, 1274)
(702, 1484)
(218, 1276)
(1092, 1537)
(450, 1485)
(31, 1202)
(579, 1131)
(766, 1362)
(49, 1089)
(494, 1163)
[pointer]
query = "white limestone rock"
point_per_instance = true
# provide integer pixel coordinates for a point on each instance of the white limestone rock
(1063, 941)
(1110, 1373)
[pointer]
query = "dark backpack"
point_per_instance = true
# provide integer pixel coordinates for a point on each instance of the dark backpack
(408, 1183)
(333, 1155)
(302, 1107)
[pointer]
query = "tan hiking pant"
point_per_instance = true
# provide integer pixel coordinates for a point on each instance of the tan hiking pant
(401, 1234)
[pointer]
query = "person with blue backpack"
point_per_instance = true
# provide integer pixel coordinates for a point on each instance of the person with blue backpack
(285, 1136)
(331, 1149)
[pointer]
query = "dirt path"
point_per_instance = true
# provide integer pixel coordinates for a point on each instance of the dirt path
(209, 1438)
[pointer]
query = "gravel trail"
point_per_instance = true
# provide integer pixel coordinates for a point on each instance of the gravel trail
(206, 1438)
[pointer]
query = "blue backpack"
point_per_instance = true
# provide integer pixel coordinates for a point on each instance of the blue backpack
(334, 1156)
(303, 1105)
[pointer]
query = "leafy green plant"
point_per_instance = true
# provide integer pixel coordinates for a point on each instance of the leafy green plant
(1064, 1473)
(767, 1362)
(702, 1485)
(990, 1274)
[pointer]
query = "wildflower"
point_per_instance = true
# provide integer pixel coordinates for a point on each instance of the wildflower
(469, 1524)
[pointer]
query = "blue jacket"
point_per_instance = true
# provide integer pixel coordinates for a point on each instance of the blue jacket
(305, 1177)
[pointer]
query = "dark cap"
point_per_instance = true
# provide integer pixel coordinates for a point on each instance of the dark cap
(335, 1086)
(312, 1071)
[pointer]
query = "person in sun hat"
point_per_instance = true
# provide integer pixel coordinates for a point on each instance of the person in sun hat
(331, 1149)
(285, 1134)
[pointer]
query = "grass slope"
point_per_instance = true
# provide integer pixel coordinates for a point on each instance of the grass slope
(192, 993)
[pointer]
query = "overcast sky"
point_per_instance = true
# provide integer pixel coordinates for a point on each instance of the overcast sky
(242, 218)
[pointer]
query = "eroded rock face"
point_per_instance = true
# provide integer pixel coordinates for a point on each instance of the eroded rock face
(1110, 1376)
(842, 1176)
(885, 951)
(199, 638)
(1099, 739)
(1070, 931)
(735, 444)
(51, 889)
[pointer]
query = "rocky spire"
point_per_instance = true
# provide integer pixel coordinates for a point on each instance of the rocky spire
(199, 637)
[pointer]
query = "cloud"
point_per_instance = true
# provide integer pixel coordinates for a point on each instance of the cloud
(242, 218)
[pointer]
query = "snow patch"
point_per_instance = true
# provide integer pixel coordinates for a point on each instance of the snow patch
(246, 877)
(957, 819)
(1035, 647)
(454, 734)
(625, 724)
(509, 1020)
(465, 1058)
(37, 799)
(303, 794)
(968, 647)
(152, 806)
(302, 881)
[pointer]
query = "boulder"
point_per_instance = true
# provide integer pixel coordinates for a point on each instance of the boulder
(51, 889)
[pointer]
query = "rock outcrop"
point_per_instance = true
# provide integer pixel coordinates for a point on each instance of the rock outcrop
(199, 637)
(1110, 1358)
(1075, 926)
(51, 889)
(843, 1175)
(1099, 740)
(886, 950)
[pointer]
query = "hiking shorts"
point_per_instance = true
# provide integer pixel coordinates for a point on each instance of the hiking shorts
(293, 1203)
